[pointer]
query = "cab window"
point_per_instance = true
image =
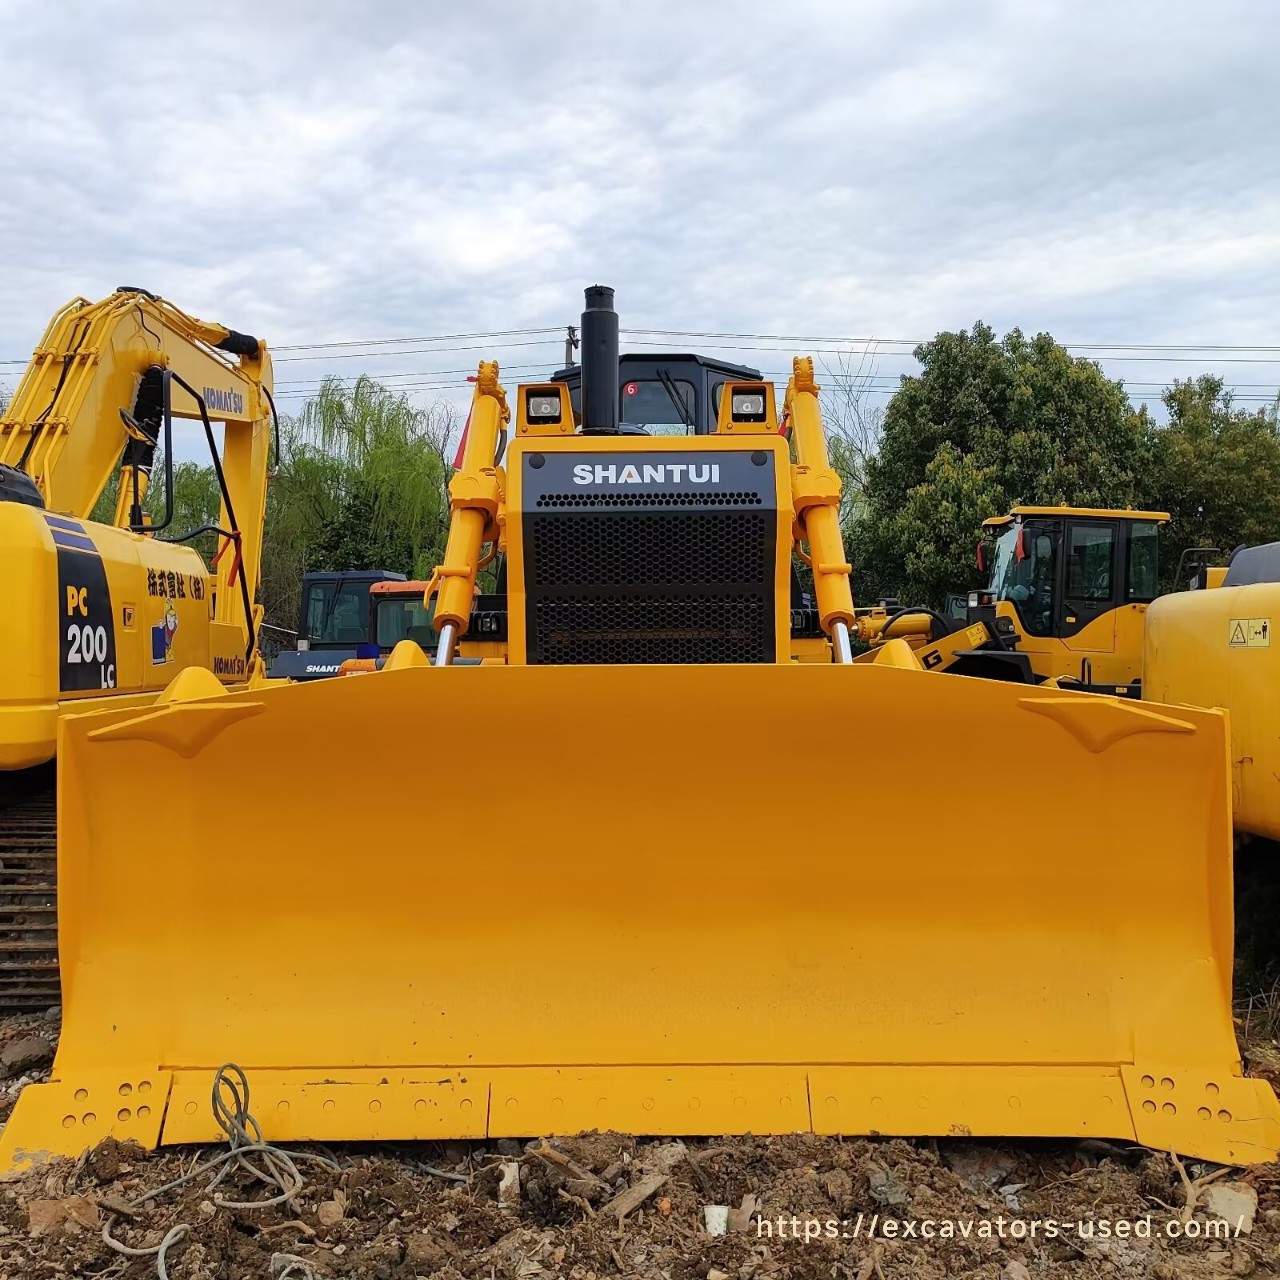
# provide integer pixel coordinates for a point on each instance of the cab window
(337, 613)
(1144, 563)
(1090, 549)
(318, 597)
(405, 618)
(1024, 564)
(647, 403)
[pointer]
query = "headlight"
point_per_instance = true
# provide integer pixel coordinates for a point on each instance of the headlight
(748, 405)
(543, 408)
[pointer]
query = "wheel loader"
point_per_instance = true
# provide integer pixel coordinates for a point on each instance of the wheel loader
(99, 614)
(1065, 599)
(1072, 598)
(730, 899)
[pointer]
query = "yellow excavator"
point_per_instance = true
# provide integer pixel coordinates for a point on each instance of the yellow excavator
(733, 903)
(100, 614)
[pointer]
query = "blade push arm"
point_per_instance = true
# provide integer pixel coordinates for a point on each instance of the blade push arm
(475, 502)
(815, 491)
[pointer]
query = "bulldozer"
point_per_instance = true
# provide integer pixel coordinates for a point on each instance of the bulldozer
(731, 901)
(98, 613)
(333, 623)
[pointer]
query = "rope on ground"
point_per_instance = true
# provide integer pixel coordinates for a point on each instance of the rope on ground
(247, 1151)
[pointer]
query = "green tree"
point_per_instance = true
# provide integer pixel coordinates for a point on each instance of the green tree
(361, 485)
(1217, 471)
(196, 501)
(988, 423)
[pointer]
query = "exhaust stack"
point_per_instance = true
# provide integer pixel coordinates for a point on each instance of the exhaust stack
(599, 363)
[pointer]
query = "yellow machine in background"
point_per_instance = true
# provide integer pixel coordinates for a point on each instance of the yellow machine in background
(1074, 584)
(1066, 599)
(1216, 647)
(96, 614)
(739, 843)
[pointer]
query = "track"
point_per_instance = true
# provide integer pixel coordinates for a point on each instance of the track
(28, 905)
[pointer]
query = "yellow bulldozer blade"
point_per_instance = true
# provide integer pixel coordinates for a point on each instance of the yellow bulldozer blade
(507, 901)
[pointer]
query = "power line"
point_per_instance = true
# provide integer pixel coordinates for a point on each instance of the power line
(412, 373)
(417, 351)
(1136, 390)
(915, 342)
(889, 381)
(726, 346)
(430, 337)
(720, 339)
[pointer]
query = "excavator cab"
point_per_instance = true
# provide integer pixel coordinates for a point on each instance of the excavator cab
(1069, 587)
(726, 906)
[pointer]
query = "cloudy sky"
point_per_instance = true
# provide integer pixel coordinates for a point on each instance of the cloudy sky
(319, 172)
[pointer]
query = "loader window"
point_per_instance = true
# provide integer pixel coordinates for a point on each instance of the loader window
(1144, 562)
(646, 403)
(1089, 561)
(405, 618)
(1024, 560)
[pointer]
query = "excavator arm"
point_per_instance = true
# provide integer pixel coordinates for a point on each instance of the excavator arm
(91, 394)
(104, 613)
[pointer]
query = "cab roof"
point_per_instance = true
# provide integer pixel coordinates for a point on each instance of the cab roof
(1095, 513)
(736, 372)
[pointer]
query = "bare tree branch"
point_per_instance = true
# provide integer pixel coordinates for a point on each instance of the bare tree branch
(854, 423)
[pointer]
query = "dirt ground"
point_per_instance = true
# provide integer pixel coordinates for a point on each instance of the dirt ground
(611, 1205)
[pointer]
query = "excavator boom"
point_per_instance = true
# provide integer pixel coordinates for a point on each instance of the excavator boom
(63, 427)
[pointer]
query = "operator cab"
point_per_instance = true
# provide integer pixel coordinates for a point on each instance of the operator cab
(334, 624)
(397, 612)
(1062, 568)
(664, 395)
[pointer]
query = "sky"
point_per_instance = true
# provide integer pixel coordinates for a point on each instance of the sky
(331, 172)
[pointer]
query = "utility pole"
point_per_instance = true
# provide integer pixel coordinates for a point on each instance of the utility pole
(570, 344)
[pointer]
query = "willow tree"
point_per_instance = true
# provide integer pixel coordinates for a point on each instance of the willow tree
(361, 485)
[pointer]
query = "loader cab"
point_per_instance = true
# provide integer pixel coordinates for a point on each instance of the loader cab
(665, 395)
(334, 623)
(397, 612)
(1071, 585)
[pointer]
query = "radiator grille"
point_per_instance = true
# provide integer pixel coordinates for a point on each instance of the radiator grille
(651, 587)
(671, 549)
(655, 629)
